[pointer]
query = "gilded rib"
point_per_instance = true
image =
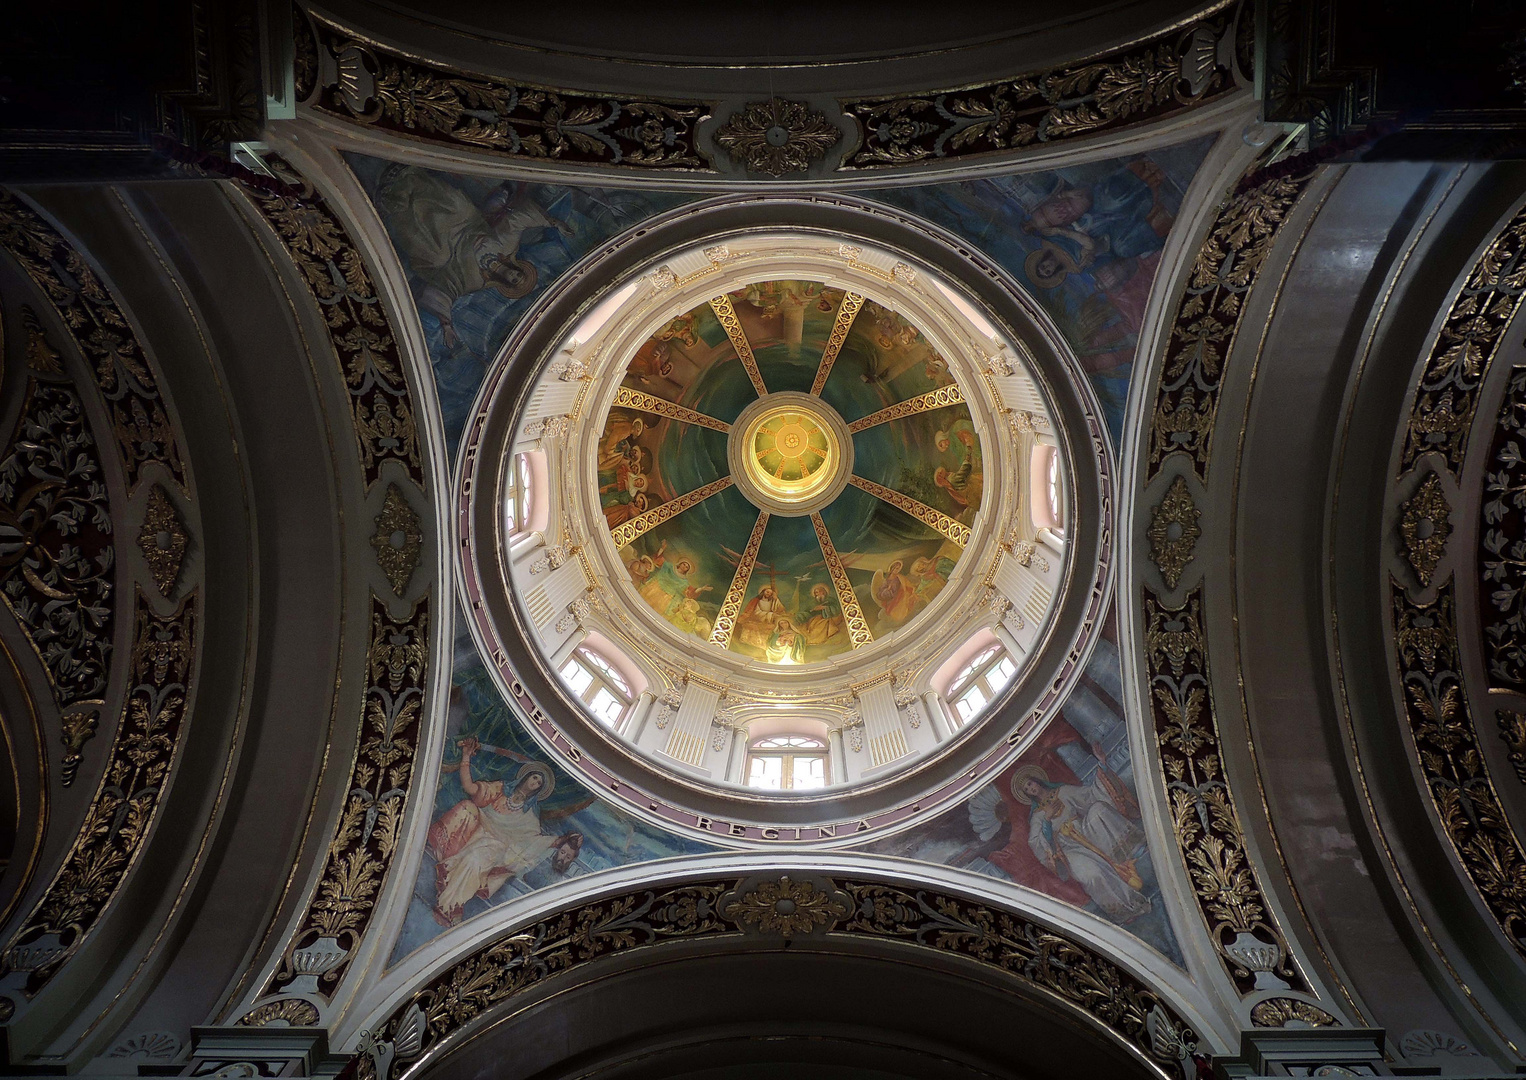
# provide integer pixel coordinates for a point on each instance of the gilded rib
(858, 629)
(627, 533)
(627, 398)
(725, 619)
(733, 327)
(847, 311)
(956, 531)
(940, 398)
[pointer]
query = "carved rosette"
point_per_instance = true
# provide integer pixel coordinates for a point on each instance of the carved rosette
(1174, 532)
(162, 539)
(1425, 522)
(791, 906)
(398, 540)
(777, 136)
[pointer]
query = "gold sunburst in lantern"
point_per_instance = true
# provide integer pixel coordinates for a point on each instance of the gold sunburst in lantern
(791, 453)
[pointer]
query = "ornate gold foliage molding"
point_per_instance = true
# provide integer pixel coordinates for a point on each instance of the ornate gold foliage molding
(360, 81)
(1150, 80)
(1451, 760)
(1174, 532)
(726, 617)
(1208, 318)
(1280, 1012)
(1502, 541)
(398, 540)
(58, 562)
(1425, 522)
(858, 627)
(126, 802)
(1203, 815)
(1513, 731)
(790, 906)
(626, 398)
(366, 839)
(103, 335)
(162, 539)
(1459, 359)
(358, 326)
(777, 136)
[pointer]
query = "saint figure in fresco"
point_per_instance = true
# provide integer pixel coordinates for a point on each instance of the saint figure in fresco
(667, 586)
(823, 619)
(1118, 217)
(453, 248)
(494, 835)
(930, 575)
(895, 593)
(756, 624)
(785, 644)
(1085, 834)
(964, 482)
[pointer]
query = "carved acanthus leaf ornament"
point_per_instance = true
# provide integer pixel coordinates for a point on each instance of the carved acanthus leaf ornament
(361, 81)
(1151, 80)
(381, 777)
(792, 905)
(358, 325)
(126, 802)
(1203, 813)
(1208, 318)
(1502, 541)
(1466, 803)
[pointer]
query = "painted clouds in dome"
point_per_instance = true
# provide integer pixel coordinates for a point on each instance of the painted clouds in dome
(1064, 819)
(791, 613)
(527, 824)
(1084, 240)
(479, 251)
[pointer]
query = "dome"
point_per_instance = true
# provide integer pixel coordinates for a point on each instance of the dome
(764, 499)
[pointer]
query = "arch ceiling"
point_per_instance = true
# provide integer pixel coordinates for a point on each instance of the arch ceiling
(1120, 508)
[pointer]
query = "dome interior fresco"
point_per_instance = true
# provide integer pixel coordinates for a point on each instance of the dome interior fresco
(791, 613)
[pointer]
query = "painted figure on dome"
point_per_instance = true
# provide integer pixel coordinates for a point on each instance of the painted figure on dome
(756, 623)
(494, 834)
(785, 644)
(823, 618)
(895, 593)
(1087, 833)
(667, 586)
(454, 247)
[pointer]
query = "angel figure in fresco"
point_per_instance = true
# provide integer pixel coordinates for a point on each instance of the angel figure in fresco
(454, 248)
(1118, 217)
(494, 835)
(895, 593)
(1085, 834)
(681, 328)
(823, 619)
